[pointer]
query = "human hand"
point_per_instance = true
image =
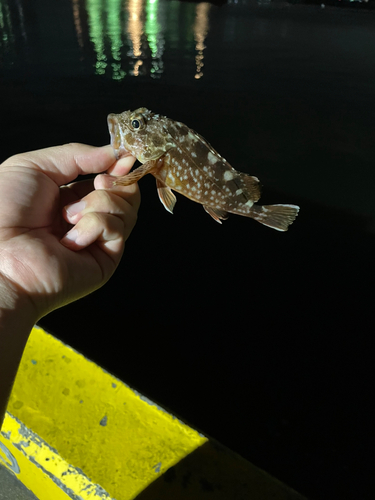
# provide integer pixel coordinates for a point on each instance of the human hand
(50, 255)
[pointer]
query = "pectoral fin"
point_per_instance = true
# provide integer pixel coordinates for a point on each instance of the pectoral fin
(216, 213)
(166, 196)
(136, 174)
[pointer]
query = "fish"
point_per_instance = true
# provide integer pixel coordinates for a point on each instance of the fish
(183, 161)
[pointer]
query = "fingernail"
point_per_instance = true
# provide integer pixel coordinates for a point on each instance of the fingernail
(107, 181)
(75, 208)
(70, 236)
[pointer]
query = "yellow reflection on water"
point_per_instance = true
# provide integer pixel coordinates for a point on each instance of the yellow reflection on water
(200, 33)
(77, 21)
(135, 26)
(136, 67)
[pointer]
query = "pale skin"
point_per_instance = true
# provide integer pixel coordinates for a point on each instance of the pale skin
(50, 255)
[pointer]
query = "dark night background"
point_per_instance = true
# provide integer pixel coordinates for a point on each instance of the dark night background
(258, 338)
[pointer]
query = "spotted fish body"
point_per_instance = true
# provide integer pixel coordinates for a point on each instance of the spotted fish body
(183, 161)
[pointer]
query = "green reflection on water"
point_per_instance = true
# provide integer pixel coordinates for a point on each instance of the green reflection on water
(113, 10)
(152, 27)
(5, 24)
(95, 15)
(154, 34)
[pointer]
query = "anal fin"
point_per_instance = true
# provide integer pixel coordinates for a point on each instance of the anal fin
(166, 196)
(216, 213)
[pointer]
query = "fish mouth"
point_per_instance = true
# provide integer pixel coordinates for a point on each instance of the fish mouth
(117, 138)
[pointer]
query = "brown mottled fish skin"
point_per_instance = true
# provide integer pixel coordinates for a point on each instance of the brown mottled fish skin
(181, 160)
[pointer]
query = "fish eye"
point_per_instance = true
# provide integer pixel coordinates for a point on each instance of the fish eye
(137, 123)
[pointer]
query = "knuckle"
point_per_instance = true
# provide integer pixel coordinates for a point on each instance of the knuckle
(91, 219)
(100, 197)
(17, 159)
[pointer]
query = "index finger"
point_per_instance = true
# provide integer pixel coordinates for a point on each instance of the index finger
(64, 163)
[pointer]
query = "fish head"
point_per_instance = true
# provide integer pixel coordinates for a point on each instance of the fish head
(139, 133)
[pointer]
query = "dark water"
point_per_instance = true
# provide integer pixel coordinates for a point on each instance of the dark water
(258, 338)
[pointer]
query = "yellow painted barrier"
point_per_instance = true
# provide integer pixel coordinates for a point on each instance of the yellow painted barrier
(40, 468)
(99, 438)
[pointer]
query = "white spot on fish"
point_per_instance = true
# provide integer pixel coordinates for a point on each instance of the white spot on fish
(205, 169)
(249, 204)
(228, 175)
(239, 191)
(171, 178)
(193, 154)
(211, 158)
(213, 192)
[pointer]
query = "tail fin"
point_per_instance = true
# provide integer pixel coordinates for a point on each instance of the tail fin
(278, 217)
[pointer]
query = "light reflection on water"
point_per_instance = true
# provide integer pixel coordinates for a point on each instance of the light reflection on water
(129, 36)
(200, 32)
(126, 38)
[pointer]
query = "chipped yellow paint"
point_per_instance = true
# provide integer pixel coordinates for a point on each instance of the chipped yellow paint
(40, 468)
(119, 439)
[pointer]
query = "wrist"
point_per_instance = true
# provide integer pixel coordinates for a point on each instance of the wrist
(14, 306)
(16, 322)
